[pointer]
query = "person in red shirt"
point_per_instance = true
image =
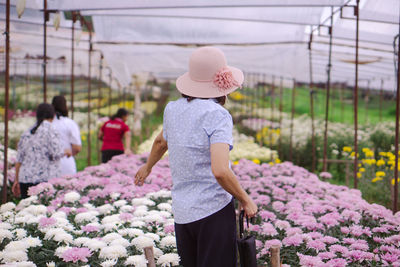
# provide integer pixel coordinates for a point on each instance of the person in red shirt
(112, 132)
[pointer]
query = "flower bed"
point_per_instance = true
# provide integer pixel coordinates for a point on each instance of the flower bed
(99, 218)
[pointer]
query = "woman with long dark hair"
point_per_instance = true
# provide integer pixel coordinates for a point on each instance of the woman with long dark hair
(197, 132)
(112, 132)
(69, 133)
(39, 153)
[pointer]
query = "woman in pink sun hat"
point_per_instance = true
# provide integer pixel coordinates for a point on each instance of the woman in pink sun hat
(197, 132)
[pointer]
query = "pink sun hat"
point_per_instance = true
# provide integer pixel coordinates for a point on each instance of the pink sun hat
(209, 76)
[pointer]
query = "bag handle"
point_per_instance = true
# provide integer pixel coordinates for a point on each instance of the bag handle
(241, 227)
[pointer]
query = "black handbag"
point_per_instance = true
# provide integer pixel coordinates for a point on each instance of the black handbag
(246, 245)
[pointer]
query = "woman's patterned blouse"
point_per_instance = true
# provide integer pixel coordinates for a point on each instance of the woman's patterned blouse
(39, 154)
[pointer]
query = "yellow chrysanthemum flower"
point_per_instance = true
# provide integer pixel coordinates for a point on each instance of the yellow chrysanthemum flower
(347, 149)
(277, 161)
(271, 163)
(359, 175)
(369, 154)
(380, 162)
(377, 179)
(236, 162)
(256, 161)
(362, 170)
(380, 174)
(383, 154)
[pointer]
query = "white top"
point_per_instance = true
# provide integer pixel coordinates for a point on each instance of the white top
(189, 129)
(69, 134)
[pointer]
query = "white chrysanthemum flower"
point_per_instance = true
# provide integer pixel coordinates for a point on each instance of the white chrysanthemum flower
(142, 207)
(164, 206)
(20, 233)
(169, 259)
(120, 203)
(81, 241)
(72, 197)
(9, 206)
(140, 213)
(109, 263)
(88, 216)
(5, 234)
(169, 221)
(32, 242)
(59, 214)
(7, 215)
(113, 252)
(131, 232)
(142, 241)
(51, 264)
(23, 219)
(36, 210)
(121, 242)
(95, 244)
(138, 201)
(105, 209)
(153, 236)
(16, 245)
(168, 241)
(21, 264)
(59, 235)
(13, 255)
(108, 238)
(154, 218)
(60, 250)
(26, 202)
(157, 252)
(5, 226)
(111, 219)
(165, 214)
(136, 260)
(159, 194)
(138, 223)
(115, 195)
(111, 227)
(126, 208)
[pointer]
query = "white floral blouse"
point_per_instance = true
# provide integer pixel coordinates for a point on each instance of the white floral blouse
(39, 154)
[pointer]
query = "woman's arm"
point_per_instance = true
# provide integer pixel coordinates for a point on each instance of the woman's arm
(76, 149)
(127, 137)
(227, 179)
(160, 146)
(100, 135)
(15, 188)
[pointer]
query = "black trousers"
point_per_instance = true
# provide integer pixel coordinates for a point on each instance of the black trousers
(107, 155)
(24, 187)
(209, 242)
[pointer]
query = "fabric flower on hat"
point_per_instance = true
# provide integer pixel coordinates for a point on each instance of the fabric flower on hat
(224, 80)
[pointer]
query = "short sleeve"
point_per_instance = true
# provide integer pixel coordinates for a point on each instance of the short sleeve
(75, 136)
(125, 128)
(21, 149)
(219, 126)
(165, 135)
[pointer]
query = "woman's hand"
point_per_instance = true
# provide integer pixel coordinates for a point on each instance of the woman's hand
(127, 151)
(16, 189)
(249, 207)
(68, 152)
(142, 174)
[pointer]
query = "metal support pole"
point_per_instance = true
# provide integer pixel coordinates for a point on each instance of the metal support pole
(328, 87)
(99, 98)
(27, 89)
(313, 147)
(45, 19)
(280, 115)
(89, 159)
(396, 139)
(366, 101)
(72, 63)
(272, 110)
(355, 171)
(380, 100)
(6, 102)
(291, 121)
(110, 94)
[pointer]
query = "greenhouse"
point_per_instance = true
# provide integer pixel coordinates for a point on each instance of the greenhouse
(110, 148)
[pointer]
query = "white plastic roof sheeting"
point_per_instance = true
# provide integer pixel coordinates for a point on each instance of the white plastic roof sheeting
(259, 36)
